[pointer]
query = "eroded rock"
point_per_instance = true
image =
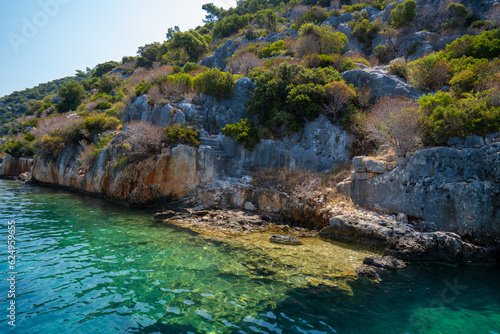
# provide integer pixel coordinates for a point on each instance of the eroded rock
(284, 239)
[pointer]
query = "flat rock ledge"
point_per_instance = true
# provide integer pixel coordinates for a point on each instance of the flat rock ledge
(407, 241)
(284, 240)
(231, 223)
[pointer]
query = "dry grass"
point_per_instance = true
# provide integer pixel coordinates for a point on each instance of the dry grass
(48, 125)
(395, 122)
(85, 158)
(143, 139)
(316, 189)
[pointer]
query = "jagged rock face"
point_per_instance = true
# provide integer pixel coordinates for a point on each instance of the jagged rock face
(13, 167)
(457, 190)
(172, 175)
(217, 59)
(320, 146)
(163, 116)
(223, 52)
(402, 240)
(217, 114)
(381, 83)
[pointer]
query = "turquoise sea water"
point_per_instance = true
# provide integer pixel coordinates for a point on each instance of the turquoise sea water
(87, 266)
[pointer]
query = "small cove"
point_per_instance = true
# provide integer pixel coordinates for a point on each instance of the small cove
(85, 265)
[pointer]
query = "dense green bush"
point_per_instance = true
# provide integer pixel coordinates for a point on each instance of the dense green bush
(313, 15)
(463, 82)
(230, 25)
(404, 13)
(453, 117)
(398, 67)
(320, 39)
(429, 73)
(288, 95)
(365, 31)
(486, 45)
(383, 53)
(245, 132)
(272, 49)
(143, 88)
(177, 134)
(51, 145)
(19, 148)
(71, 96)
(215, 83)
(338, 62)
(104, 105)
(192, 42)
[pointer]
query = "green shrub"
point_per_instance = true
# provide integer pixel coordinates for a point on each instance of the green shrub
(215, 83)
(338, 62)
(320, 39)
(189, 67)
(143, 88)
(273, 49)
(365, 31)
(230, 25)
(245, 132)
(404, 13)
(398, 67)
(452, 117)
(52, 144)
(429, 73)
(288, 95)
(486, 45)
(313, 15)
(71, 96)
(382, 52)
(29, 137)
(177, 134)
(18, 148)
(190, 42)
(104, 105)
(463, 82)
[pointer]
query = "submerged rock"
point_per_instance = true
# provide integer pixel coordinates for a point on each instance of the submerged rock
(284, 240)
(385, 262)
(367, 272)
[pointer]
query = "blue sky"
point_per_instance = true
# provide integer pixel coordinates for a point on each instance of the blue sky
(43, 40)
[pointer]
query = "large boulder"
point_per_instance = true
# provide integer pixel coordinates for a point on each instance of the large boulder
(381, 83)
(217, 59)
(140, 110)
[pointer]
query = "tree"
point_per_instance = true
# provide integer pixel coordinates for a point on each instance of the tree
(71, 96)
(150, 53)
(404, 13)
(268, 18)
(191, 41)
(230, 25)
(213, 12)
(172, 31)
(104, 68)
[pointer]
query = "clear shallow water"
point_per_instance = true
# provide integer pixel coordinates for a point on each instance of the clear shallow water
(85, 266)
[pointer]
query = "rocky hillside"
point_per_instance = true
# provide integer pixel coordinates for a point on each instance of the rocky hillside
(410, 89)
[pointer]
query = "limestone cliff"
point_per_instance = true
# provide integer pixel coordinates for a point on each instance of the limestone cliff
(452, 189)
